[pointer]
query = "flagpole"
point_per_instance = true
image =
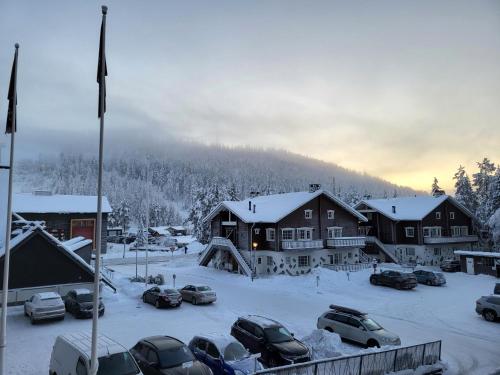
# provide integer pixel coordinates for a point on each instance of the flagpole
(6, 264)
(97, 265)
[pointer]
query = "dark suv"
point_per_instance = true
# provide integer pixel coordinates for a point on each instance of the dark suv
(274, 342)
(394, 279)
(451, 266)
(79, 302)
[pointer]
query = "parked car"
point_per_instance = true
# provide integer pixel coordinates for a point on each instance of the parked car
(497, 288)
(489, 307)
(79, 302)
(224, 354)
(450, 266)
(42, 306)
(356, 326)
(394, 279)
(162, 298)
(71, 356)
(166, 355)
(198, 294)
(274, 342)
(430, 277)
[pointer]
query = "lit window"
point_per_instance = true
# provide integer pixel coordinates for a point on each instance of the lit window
(308, 214)
(410, 232)
(331, 214)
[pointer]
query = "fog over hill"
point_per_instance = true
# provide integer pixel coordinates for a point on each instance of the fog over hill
(179, 170)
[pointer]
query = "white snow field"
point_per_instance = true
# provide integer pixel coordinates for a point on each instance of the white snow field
(471, 345)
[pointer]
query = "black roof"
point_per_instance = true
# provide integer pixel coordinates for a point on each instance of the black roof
(163, 342)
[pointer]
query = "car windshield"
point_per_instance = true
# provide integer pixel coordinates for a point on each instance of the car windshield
(117, 364)
(203, 288)
(84, 297)
(235, 351)
(370, 324)
(170, 291)
(175, 356)
(278, 334)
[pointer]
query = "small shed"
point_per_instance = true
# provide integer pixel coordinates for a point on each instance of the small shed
(177, 230)
(479, 262)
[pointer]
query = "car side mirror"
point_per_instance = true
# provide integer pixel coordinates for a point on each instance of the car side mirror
(153, 364)
(292, 334)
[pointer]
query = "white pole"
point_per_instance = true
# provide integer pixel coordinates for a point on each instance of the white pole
(147, 221)
(6, 264)
(97, 266)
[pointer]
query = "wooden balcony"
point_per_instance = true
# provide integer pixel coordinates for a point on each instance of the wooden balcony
(308, 244)
(346, 242)
(452, 239)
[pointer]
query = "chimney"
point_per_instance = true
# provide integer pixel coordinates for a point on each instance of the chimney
(393, 209)
(254, 208)
(249, 205)
(314, 187)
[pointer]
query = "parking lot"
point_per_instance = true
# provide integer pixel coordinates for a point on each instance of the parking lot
(470, 344)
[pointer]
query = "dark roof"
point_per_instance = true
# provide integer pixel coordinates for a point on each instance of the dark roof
(262, 321)
(163, 342)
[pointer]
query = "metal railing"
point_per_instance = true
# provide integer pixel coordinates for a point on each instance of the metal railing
(346, 242)
(452, 239)
(376, 363)
(308, 244)
(348, 267)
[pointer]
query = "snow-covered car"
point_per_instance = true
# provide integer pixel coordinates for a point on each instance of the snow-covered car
(430, 277)
(162, 298)
(165, 355)
(79, 302)
(42, 306)
(224, 354)
(354, 325)
(197, 294)
(489, 307)
(394, 279)
(71, 356)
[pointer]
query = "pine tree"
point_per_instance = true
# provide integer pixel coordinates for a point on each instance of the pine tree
(494, 192)
(463, 190)
(435, 186)
(481, 181)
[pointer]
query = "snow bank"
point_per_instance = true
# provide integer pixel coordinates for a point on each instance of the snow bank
(323, 344)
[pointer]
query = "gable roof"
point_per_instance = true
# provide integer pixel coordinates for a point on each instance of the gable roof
(410, 208)
(57, 203)
(273, 208)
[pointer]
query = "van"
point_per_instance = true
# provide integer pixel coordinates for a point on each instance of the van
(71, 356)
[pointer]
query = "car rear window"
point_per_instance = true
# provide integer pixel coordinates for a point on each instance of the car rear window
(494, 300)
(117, 364)
(175, 356)
(203, 288)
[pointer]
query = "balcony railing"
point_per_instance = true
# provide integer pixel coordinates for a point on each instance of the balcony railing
(346, 242)
(452, 239)
(309, 244)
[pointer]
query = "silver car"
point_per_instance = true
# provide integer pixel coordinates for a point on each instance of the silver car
(198, 294)
(47, 305)
(356, 326)
(489, 307)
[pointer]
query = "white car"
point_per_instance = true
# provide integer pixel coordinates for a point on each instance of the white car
(42, 306)
(71, 356)
(356, 326)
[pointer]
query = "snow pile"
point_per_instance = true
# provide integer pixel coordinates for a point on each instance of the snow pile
(422, 370)
(323, 344)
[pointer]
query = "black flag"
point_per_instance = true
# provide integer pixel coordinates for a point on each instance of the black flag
(102, 65)
(12, 97)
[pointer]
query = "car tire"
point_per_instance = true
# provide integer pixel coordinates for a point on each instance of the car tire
(372, 344)
(428, 282)
(157, 304)
(329, 329)
(32, 319)
(194, 301)
(25, 312)
(373, 281)
(489, 315)
(144, 299)
(398, 286)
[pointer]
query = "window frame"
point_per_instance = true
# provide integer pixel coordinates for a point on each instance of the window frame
(308, 214)
(302, 264)
(330, 214)
(270, 231)
(305, 230)
(332, 232)
(408, 230)
(438, 215)
(452, 215)
(291, 230)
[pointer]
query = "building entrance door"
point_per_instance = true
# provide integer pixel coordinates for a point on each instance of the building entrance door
(470, 265)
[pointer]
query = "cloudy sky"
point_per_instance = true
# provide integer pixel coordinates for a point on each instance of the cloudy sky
(405, 90)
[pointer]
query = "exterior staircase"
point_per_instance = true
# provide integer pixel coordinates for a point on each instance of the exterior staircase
(364, 258)
(223, 243)
(388, 254)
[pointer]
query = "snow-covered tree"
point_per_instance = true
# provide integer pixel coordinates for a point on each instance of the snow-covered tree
(435, 186)
(494, 228)
(463, 190)
(481, 181)
(494, 192)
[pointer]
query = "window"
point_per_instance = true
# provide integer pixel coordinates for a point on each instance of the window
(330, 214)
(410, 251)
(270, 234)
(437, 251)
(287, 260)
(452, 215)
(334, 232)
(438, 215)
(337, 258)
(212, 351)
(410, 231)
(349, 255)
(308, 214)
(269, 261)
(257, 230)
(303, 260)
(369, 215)
(427, 232)
(152, 356)
(80, 367)
(304, 234)
(457, 231)
(287, 234)
(259, 260)
(432, 231)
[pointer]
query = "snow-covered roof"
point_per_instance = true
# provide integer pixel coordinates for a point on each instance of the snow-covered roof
(83, 340)
(57, 203)
(177, 227)
(47, 295)
(221, 340)
(488, 254)
(78, 244)
(163, 231)
(273, 208)
(409, 208)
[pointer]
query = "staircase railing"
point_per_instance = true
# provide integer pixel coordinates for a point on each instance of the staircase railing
(224, 242)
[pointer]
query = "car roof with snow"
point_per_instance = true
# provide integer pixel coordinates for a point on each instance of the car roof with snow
(80, 291)
(163, 342)
(47, 295)
(261, 321)
(221, 340)
(83, 341)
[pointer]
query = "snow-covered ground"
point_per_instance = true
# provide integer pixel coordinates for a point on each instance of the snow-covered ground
(115, 250)
(470, 344)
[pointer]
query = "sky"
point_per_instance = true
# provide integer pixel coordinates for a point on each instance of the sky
(403, 90)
